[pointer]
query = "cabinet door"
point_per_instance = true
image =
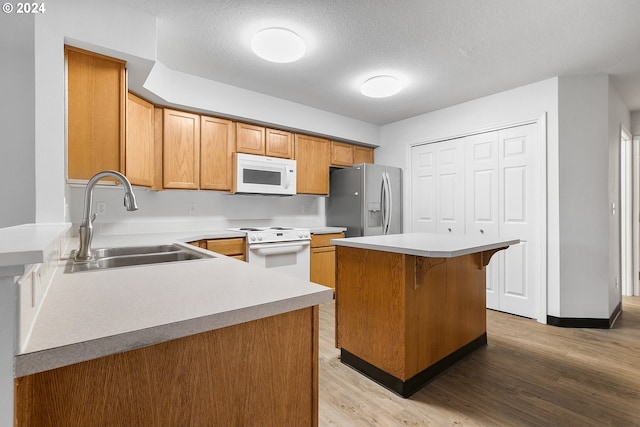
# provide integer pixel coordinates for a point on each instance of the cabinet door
(142, 155)
(181, 150)
(362, 154)
(216, 153)
(341, 154)
(96, 98)
(323, 266)
(279, 143)
(313, 156)
(250, 139)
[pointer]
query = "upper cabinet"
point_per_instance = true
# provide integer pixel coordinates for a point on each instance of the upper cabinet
(96, 94)
(143, 156)
(261, 141)
(362, 154)
(250, 139)
(313, 156)
(217, 140)
(181, 149)
(279, 143)
(343, 154)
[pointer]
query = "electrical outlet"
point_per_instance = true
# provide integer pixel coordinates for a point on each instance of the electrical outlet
(304, 209)
(191, 207)
(101, 208)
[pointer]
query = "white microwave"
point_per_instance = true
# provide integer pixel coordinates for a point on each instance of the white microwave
(263, 175)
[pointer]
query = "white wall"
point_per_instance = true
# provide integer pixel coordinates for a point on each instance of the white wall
(584, 213)
(521, 104)
(17, 120)
(169, 210)
(635, 123)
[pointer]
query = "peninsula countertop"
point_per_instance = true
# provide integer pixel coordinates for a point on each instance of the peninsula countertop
(426, 244)
(93, 314)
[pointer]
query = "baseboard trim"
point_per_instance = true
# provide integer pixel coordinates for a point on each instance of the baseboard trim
(583, 322)
(415, 383)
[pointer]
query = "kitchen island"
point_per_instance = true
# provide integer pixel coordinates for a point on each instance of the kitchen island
(211, 341)
(408, 306)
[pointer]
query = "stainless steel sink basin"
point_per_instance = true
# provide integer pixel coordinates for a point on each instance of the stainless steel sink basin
(107, 258)
(134, 250)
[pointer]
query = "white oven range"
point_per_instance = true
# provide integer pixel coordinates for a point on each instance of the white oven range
(284, 249)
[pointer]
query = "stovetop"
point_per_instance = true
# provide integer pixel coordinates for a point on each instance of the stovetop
(274, 234)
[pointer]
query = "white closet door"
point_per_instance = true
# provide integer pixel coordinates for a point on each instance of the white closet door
(518, 265)
(450, 187)
(482, 204)
(423, 189)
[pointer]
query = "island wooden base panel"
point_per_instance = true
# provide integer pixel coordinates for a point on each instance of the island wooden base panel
(415, 383)
(257, 373)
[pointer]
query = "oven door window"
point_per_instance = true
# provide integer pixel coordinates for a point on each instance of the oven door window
(260, 176)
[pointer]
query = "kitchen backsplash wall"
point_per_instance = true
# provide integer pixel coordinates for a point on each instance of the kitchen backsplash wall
(184, 210)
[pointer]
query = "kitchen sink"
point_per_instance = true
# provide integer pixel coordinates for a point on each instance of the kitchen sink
(107, 258)
(134, 250)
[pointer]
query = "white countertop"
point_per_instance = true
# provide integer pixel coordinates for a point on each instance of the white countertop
(26, 244)
(93, 314)
(426, 244)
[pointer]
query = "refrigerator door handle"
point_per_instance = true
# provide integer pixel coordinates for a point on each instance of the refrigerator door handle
(383, 203)
(389, 201)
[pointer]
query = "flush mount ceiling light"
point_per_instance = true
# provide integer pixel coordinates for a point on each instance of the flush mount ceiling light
(381, 86)
(278, 45)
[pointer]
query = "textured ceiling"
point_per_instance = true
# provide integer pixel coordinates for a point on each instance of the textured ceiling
(445, 51)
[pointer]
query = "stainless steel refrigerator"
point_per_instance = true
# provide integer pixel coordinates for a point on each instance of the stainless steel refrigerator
(367, 199)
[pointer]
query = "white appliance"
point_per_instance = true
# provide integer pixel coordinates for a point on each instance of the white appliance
(283, 249)
(263, 175)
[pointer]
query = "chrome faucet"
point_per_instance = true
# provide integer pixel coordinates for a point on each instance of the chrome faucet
(86, 227)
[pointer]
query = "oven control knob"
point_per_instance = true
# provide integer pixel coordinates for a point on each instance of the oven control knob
(252, 238)
(300, 236)
(260, 238)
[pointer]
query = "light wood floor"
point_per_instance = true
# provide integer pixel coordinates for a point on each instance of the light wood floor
(528, 375)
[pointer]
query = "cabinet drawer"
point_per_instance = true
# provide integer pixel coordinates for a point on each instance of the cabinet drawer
(233, 246)
(319, 240)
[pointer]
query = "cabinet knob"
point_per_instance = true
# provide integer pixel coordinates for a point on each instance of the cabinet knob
(449, 230)
(481, 231)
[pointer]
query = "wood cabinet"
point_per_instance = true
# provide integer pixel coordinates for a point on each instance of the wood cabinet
(232, 247)
(313, 156)
(279, 143)
(96, 98)
(217, 140)
(261, 141)
(250, 139)
(263, 372)
(323, 259)
(181, 149)
(341, 154)
(143, 156)
(362, 154)
(408, 317)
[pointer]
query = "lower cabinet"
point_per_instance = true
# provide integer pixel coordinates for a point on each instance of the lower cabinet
(263, 372)
(323, 259)
(234, 247)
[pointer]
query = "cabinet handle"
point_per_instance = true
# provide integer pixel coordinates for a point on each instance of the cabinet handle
(449, 230)
(481, 231)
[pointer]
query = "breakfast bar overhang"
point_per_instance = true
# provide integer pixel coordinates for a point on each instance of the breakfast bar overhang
(408, 306)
